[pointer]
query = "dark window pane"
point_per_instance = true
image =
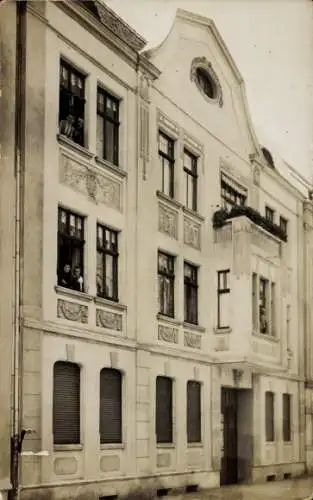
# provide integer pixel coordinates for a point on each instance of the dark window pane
(193, 412)
(269, 417)
(110, 418)
(66, 403)
(286, 417)
(164, 410)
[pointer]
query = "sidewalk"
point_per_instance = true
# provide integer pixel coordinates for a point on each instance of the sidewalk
(296, 489)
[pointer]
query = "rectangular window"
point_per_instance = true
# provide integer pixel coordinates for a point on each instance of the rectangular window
(264, 305)
(72, 103)
(66, 403)
(283, 224)
(166, 278)
(269, 214)
(255, 295)
(107, 263)
(193, 412)
(273, 310)
(269, 417)
(232, 193)
(191, 178)
(166, 158)
(223, 299)
(191, 293)
(107, 126)
(70, 250)
(110, 417)
(287, 417)
(164, 410)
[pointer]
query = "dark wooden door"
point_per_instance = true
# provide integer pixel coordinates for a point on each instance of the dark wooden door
(229, 465)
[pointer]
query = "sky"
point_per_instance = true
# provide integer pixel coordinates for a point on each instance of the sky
(271, 42)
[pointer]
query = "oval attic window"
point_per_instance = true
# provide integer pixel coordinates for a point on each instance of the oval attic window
(206, 83)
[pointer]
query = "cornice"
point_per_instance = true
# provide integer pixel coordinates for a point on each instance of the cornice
(125, 46)
(148, 67)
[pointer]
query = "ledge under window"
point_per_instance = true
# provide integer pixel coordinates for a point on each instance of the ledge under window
(226, 329)
(60, 290)
(192, 326)
(168, 199)
(193, 214)
(195, 445)
(168, 446)
(101, 162)
(168, 319)
(67, 447)
(65, 141)
(112, 446)
(109, 303)
(265, 336)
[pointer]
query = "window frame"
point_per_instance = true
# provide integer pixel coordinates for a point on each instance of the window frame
(159, 417)
(232, 193)
(270, 214)
(105, 440)
(270, 418)
(114, 121)
(73, 241)
(78, 416)
(114, 253)
(169, 157)
(170, 275)
(191, 175)
(225, 275)
(283, 224)
(191, 285)
(193, 437)
(264, 303)
(72, 70)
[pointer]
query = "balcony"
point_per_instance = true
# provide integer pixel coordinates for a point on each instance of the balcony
(222, 217)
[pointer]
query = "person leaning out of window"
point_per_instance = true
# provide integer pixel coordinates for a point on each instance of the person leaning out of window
(72, 280)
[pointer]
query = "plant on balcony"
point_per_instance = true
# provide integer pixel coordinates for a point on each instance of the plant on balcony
(221, 216)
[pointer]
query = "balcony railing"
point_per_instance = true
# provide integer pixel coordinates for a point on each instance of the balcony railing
(222, 216)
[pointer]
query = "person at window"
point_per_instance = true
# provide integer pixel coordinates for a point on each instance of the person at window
(263, 321)
(67, 126)
(65, 276)
(78, 281)
(78, 135)
(99, 285)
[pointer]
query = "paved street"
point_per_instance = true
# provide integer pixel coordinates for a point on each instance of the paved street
(300, 489)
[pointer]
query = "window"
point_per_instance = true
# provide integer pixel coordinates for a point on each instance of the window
(107, 263)
(107, 126)
(269, 417)
(164, 410)
(193, 412)
(166, 279)
(264, 304)
(70, 250)
(283, 224)
(255, 302)
(273, 309)
(191, 293)
(269, 214)
(206, 83)
(66, 403)
(287, 417)
(223, 299)
(166, 157)
(190, 171)
(232, 193)
(110, 417)
(72, 103)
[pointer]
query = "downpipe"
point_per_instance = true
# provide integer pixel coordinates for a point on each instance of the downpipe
(17, 436)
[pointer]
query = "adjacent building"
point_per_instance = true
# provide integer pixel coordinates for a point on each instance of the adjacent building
(164, 269)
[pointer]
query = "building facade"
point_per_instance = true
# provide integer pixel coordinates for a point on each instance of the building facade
(163, 266)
